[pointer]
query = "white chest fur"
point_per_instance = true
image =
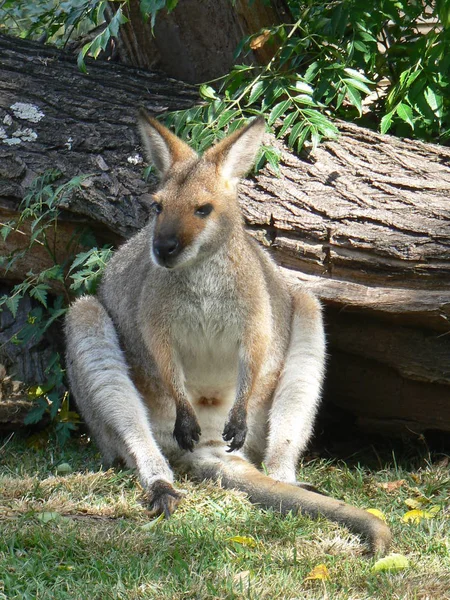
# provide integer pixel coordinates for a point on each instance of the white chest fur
(206, 337)
(207, 349)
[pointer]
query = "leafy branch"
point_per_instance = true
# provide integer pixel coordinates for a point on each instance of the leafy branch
(52, 287)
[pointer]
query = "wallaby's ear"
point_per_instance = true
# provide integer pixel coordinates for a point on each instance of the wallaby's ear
(235, 154)
(162, 147)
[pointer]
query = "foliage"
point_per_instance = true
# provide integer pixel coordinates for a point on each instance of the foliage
(52, 20)
(78, 273)
(57, 22)
(388, 66)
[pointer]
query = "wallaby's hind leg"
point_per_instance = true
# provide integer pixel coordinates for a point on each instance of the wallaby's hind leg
(234, 472)
(296, 396)
(110, 403)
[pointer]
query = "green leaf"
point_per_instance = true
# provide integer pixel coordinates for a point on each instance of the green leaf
(64, 469)
(53, 273)
(80, 258)
(236, 125)
(6, 230)
(287, 122)
(386, 122)
(80, 59)
(295, 132)
(118, 19)
(36, 413)
(207, 92)
(361, 46)
(308, 131)
(151, 7)
(302, 87)
(278, 110)
(311, 71)
(12, 303)
(226, 117)
(357, 75)
(272, 155)
(391, 563)
(304, 100)
(359, 85)
(354, 97)
(367, 37)
(63, 431)
(405, 113)
(434, 101)
(40, 293)
(256, 91)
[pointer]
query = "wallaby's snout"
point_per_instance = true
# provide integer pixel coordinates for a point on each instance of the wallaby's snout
(166, 248)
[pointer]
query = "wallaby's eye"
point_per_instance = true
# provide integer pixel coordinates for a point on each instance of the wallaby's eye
(156, 207)
(204, 211)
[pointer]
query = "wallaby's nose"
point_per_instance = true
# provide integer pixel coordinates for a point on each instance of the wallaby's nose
(166, 249)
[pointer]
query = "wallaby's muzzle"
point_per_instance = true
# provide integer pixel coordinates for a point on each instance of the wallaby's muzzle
(166, 249)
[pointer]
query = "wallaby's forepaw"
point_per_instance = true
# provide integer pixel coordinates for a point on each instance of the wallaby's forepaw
(187, 430)
(163, 498)
(235, 431)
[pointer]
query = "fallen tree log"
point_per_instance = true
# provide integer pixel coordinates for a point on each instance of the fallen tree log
(364, 222)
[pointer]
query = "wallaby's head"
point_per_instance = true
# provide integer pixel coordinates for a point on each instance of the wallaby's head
(195, 208)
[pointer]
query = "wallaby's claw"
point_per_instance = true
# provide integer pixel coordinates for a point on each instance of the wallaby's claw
(187, 430)
(235, 432)
(163, 498)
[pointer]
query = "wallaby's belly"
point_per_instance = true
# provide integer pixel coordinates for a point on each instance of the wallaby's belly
(208, 355)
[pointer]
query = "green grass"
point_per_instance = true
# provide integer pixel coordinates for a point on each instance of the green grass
(103, 543)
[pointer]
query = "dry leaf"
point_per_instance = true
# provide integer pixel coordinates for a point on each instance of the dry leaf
(391, 486)
(416, 516)
(419, 503)
(319, 572)
(46, 517)
(151, 524)
(259, 41)
(377, 513)
(243, 540)
(393, 562)
(241, 577)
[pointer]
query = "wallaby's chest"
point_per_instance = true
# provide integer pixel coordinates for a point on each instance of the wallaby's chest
(205, 335)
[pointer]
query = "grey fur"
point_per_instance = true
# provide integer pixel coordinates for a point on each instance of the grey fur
(215, 341)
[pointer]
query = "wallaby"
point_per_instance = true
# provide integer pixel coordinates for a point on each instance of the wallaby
(196, 341)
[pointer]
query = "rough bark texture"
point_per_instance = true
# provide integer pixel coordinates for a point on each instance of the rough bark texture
(364, 222)
(196, 41)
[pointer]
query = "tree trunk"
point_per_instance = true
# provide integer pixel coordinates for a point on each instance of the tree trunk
(196, 42)
(364, 222)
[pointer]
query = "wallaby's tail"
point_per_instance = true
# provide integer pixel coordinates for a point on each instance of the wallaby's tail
(237, 473)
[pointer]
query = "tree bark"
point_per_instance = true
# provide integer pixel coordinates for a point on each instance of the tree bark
(196, 42)
(364, 222)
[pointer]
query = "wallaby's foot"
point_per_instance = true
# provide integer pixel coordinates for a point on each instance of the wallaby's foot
(163, 498)
(187, 430)
(235, 430)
